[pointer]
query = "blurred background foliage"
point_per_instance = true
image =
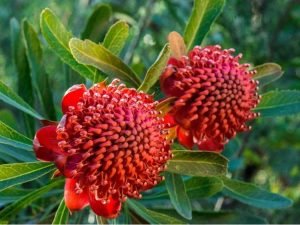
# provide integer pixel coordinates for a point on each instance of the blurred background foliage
(263, 30)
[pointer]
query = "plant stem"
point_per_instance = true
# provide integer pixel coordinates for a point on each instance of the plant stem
(101, 220)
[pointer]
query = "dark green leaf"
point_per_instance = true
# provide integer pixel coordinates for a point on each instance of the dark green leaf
(253, 195)
(97, 22)
(116, 37)
(8, 96)
(17, 173)
(90, 53)
(18, 154)
(58, 39)
(152, 216)
(279, 103)
(13, 208)
(39, 75)
(267, 73)
(25, 87)
(225, 217)
(177, 192)
(11, 137)
(12, 194)
(62, 214)
(203, 15)
(197, 163)
(156, 69)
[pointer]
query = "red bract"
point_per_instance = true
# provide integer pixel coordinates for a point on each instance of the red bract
(110, 144)
(215, 96)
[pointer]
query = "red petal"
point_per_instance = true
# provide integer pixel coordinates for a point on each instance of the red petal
(72, 96)
(211, 145)
(45, 144)
(110, 210)
(168, 118)
(75, 201)
(185, 138)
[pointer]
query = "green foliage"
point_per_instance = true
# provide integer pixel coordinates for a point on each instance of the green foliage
(178, 195)
(195, 163)
(267, 73)
(18, 173)
(62, 214)
(253, 195)
(279, 103)
(203, 15)
(58, 39)
(116, 37)
(90, 53)
(156, 69)
(10, 97)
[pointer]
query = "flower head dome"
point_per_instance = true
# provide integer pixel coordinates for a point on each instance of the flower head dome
(110, 144)
(215, 95)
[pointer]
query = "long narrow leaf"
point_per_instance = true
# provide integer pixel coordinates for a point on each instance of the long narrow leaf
(17, 173)
(10, 97)
(62, 214)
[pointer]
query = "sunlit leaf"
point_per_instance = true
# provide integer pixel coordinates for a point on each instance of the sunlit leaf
(196, 163)
(97, 22)
(203, 15)
(21, 203)
(90, 53)
(62, 214)
(152, 216)
(267, 73)
(252, 195)
(10, 97)
(116, 37)
(177, 45)
(177, 192)
(156, 69)
(279, 103)
(9, 136)
(39, 75)
(17, 173)
(58, 39)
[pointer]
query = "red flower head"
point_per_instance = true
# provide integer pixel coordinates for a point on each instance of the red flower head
(110, 144)
(215, 95)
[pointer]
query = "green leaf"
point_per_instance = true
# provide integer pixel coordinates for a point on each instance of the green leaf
(253, 195)
(13, 208)
(62, 214)
(225, 217)
(156, 69)
(97, 22)
(58, 39)
(203, 187)
(25, 87)
(39, 75)
(10, 97)
(11, 137)
(90, 53)
(279, 103)
(267, 73)
(177, 192)
(12, 194)
(197, 163)
(116, 37)
(166, 105)
(152, 216)
(203, 15)
(17, 173)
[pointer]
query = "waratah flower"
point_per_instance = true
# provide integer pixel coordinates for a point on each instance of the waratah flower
(110, 144)
(215, 95)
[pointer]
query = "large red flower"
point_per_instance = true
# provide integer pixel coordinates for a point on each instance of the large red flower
(215, 95)
(110, 144)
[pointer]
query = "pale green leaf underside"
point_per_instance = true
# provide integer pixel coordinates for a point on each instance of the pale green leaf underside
(267, 73)
(90, 53)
